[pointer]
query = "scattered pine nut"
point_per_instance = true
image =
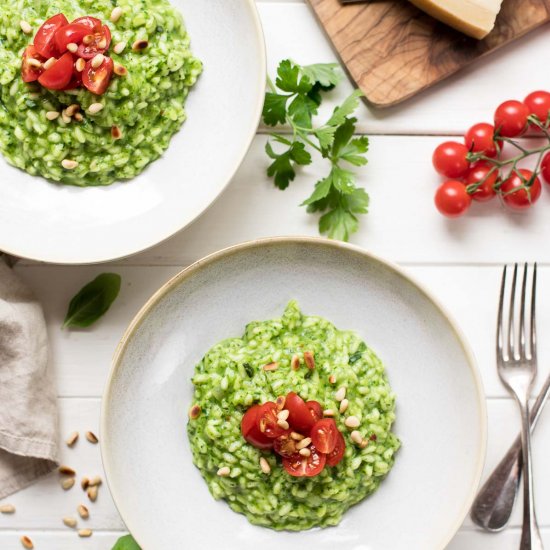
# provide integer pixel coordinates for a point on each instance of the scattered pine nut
(305, 452)
(7, 509)
(195, 410)
(119, 48)
(139, 45)
(363, 443)
(119, 69)
(26, 542)
(66, 471)
(115, 132)
(80, 64)
(72, 109)
(115, 14)
(224, 471)
(296, 436)
(48, 64)
(328, 412)
(78, 117)
(52, 115)
(92, 437)
(72, 47)
(85, 533)
(65, 117)
(67, 483)
(97, 61)
(95, 482)
(302, 444)
(85, 483)
(356, 437)
(92, 493)
(280, 402)
(271, 366)
(264, 465)
(295, 362)
(352, 422)
(283, 424)
(25, 27)
(88, 39)
(283, 415)
(309, 360)
(340, 394)
(83, 512)
(70, 522)
(94, 108)
(73, 438)
(344, 404)
(69, 164)
(332, 379)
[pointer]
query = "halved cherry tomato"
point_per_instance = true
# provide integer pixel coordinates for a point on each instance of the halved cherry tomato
(337, 453)
(75, 82)
(92, 23)
(324, 435)
(59, 74)
(101, 40)
(73, 33)
(251, 431)
(300, 417)
(284, 445)
(267, 420)
(301, 466)
(28, 71)
(44, 40)
(97, 80)
(315, 410)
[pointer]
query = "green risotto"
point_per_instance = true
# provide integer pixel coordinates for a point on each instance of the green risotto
(140, 111)
(231, 377)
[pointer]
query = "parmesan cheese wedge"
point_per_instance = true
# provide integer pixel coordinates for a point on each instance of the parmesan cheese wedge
(475, 18)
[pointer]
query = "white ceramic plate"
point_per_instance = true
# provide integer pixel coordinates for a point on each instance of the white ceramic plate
(62, 224)
(440, 405)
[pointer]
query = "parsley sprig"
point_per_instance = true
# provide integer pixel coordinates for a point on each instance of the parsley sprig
(294, 99)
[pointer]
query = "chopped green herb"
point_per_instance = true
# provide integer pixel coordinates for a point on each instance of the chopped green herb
(126, 543)
(248, 369)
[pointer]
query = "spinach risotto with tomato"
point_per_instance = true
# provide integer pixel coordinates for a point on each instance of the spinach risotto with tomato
(291, 424)
(91, 91)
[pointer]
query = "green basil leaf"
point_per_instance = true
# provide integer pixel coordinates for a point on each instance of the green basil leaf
(126, 543)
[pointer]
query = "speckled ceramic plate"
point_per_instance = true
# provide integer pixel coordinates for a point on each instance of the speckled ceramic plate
(441, 418)
(63, 224)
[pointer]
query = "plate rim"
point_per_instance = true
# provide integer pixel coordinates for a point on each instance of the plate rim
(196, 266)
(262, 57)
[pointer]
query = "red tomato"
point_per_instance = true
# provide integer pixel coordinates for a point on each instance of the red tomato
(514, 193)
(324, 435)
(452, 199)
(101, 40)
(480, 139)
(75, 82)
(538, 104)
(59, 74)
(481, 171)
(30, 73)
(44, 40)
(73, 33)
(284, 445)
(315, 410)
(250, 430)
(511, 118)
(97, 80)
(300, 417)
(337, 453)
(92, 23)
(545, 168)
(449, 159)
(302, 466)
(267, 420)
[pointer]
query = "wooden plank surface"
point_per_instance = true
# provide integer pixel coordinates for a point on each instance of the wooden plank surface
(393, 50)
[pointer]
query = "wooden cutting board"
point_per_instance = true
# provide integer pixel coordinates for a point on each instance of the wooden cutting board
(393, 50)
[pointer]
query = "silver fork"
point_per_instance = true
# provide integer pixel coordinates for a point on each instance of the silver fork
(517, 368)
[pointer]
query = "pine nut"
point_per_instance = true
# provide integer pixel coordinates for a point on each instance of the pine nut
(25, 27)
(78, 117)
(26, 542)
(116, 134)
(52, 115)
(328, 412)
(70, 522)
(115, 14)
(283, 424)
(295, 362)
(80, 64)
(69, 164)
(88, 39)
(303, 443)
(280, 402)
(102, 44)
(85, 483)
(83, 511)
(97, 61)
(283, 415)
(352, 422)
(340, 394)
(67, 483)
(119, 48)
(305, 452)
(264, 465)
(332, 379)
(66, 471)
(7, 509)
(356, 437)
(224, 471)
(95, 482)
(119, 69)
(139, 45)
(65, 117)
(92, 493)
(271, 366)
(72, 109)
(363, 443)
(344, 404)
(195, 410)
(50, 63)
(72, 47)
(34, 63)
(85, 533)
(296, 436)
(72, 439)
(309, 360)
(92, 437)
(94, 108)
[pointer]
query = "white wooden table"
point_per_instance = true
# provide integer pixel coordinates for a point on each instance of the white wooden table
(459, 260)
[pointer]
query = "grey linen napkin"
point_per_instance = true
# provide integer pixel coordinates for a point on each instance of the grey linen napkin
(28, 407)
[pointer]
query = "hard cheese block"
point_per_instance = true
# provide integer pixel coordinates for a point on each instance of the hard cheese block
(475, 18)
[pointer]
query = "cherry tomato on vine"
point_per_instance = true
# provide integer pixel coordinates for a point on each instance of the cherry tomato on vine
(44, 40)
(251, 431)
(480, 139)
(514, 193)
(301, 466)
(452, 199)
(449, 159)
(545, 168)
(538, 104)
(511, 118)
(482, 171)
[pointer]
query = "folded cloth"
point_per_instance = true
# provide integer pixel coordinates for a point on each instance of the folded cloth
(28, 407)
